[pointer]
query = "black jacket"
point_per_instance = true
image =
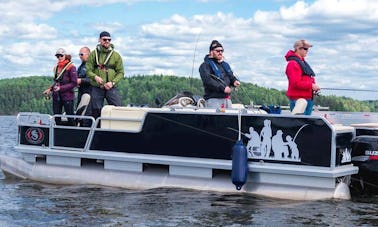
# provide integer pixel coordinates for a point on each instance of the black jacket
(214, 87)
(85, 86)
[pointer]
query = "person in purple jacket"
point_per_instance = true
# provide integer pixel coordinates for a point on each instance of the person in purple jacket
(65, 81)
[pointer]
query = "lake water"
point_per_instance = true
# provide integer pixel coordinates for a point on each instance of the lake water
(27, 203)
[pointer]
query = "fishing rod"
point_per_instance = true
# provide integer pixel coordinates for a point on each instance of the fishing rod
(218, 79)
(194, 58)
(222, 82)
(194, 54)
(348, 89)
(242, 89)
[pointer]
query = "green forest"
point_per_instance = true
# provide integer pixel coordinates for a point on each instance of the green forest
(25, 94)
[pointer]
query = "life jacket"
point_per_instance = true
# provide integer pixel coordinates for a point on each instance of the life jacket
(306, 69)
(57, 76)
(103, 66)
(217, 71)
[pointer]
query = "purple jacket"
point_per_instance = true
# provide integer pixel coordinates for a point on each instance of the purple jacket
(67, 82)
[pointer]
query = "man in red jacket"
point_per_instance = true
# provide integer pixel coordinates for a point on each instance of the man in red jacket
(301, 78)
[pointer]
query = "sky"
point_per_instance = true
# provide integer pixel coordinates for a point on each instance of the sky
(172, 38)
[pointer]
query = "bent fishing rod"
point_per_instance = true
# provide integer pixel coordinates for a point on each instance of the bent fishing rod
(194, 58)
(235, 88)
(218, 79)
(348, 89)
(222, 82)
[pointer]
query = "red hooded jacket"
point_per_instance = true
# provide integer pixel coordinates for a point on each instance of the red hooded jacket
(300, 86)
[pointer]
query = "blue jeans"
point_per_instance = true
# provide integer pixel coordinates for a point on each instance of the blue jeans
(308, 110)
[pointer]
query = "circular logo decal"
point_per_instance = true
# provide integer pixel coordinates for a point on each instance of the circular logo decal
(34, 135)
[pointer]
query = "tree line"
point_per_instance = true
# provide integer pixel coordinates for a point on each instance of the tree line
(25, 94)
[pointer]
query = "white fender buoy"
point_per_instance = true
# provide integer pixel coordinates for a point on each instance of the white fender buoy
(342, 191)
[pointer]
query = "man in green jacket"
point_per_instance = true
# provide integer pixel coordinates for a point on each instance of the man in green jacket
(105, 69)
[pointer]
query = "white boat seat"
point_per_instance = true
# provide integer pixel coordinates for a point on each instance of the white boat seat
(123, 117)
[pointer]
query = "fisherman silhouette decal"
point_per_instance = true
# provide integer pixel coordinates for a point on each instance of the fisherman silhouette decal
(265, 145)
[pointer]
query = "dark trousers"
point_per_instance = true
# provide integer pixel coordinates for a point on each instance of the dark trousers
(68, 106)
(98, 95)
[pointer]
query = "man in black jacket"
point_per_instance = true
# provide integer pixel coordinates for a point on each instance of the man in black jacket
(84, 87)
(217, 78)
(83, 82)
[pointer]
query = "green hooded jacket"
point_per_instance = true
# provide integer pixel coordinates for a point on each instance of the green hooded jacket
(114, 66)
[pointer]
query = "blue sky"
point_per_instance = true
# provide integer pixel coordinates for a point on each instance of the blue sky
(166, 37)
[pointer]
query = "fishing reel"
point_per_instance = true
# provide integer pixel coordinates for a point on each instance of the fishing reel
(316, 93)
(47, 96)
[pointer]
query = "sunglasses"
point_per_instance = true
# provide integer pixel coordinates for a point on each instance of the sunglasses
(106, 40)
(219, 51)
(306, 49)
(82, 54)
(59, 55)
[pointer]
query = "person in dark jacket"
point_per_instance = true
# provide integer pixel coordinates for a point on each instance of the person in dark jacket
(217, 78)
(84, 89)
(301, 77)
(105, 69)
(83, 82)
(65, 80)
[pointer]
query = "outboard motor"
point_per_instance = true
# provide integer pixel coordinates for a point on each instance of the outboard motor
(365, 156)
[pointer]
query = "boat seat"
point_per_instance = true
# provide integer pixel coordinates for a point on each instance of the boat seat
(123, 117)
(300, 107)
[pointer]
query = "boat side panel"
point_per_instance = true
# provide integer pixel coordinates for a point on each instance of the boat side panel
(343, 148)
(307, 138)
(34, 135)
(213, 135)
(202, 136)
(70, 137)
(63, 137)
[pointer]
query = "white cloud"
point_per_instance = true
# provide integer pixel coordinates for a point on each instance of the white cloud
(343, 33)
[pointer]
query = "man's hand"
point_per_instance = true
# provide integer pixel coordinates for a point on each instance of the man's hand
(227, 90)
(56, 88)
(99, 80)
(315, 87)
(108, 85)
(47, 91)
(236, 83)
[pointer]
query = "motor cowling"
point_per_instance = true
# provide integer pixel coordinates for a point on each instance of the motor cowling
(365, 145)
(365, 157)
